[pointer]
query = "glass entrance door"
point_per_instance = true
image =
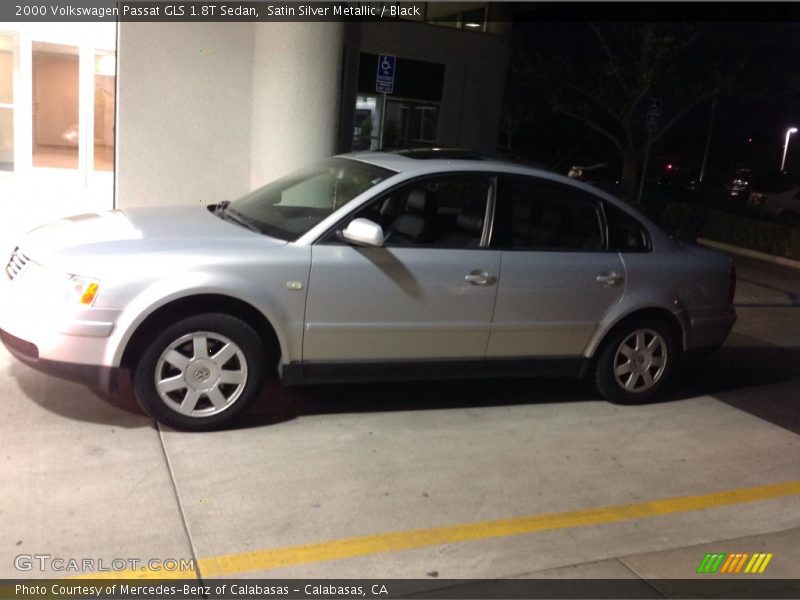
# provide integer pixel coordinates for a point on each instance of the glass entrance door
(56, 131)
(410, 124)
(6, 103)
(57, 88)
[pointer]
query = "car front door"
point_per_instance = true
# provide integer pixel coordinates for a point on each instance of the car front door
(427, 294)
(558, 280)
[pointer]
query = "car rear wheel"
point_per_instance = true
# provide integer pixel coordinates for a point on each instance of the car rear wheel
(635, 363)
(200, 373)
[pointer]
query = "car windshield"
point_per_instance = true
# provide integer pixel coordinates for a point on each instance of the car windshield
(289, 207)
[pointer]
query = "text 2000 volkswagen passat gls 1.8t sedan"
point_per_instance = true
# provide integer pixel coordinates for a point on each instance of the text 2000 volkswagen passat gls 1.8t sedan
(364, 267)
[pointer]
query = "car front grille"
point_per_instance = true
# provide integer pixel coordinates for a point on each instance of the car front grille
(16, 264)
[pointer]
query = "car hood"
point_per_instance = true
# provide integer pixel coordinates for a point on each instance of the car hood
(115, 235)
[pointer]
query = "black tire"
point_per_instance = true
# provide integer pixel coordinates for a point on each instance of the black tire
(623, 379)
(211, 368)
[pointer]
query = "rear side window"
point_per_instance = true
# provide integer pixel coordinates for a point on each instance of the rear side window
(627, 234)
(538, 215)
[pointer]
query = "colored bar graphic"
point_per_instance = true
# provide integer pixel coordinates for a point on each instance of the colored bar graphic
(727, 564)
(720, 562)
(711, 562)
(767, 558)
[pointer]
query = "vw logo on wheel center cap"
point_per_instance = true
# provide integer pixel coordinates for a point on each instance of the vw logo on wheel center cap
(202, 373)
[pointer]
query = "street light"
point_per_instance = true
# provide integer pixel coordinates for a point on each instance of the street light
(789, 132)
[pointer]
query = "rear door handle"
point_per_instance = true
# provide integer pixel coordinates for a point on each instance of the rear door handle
(479, 278)
(609, 279)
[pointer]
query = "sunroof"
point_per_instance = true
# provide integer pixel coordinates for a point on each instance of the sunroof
(446, 153)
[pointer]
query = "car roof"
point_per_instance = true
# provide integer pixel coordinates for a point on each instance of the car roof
(442, 159)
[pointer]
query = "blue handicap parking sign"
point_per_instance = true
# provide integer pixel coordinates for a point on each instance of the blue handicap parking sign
(384, 81)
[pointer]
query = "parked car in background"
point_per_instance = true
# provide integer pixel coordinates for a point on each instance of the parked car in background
(776, 195)
(737, 188)
(784, 205)
(366, 266)
(673, 174)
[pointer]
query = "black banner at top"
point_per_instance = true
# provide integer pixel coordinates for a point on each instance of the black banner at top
(206, 11)
(292, 10)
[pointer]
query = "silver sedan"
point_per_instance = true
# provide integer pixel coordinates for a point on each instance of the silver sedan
(371, 266)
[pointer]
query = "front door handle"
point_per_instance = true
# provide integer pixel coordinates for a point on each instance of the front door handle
(609, 279)
(480, 278)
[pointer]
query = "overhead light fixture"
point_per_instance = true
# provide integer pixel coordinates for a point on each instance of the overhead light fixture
(472, 25)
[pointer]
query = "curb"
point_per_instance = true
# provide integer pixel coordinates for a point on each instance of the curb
(778, 260)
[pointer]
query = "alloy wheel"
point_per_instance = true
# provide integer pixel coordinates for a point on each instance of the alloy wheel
(201, 374)
(640, 361)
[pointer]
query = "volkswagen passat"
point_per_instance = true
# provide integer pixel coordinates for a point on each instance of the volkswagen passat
(362, 267)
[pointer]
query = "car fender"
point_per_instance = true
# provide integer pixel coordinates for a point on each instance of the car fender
(632, 304)
(160, 293)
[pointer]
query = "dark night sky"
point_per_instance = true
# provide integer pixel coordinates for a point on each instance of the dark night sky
(762, 118)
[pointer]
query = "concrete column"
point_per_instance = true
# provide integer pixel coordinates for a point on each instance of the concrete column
(296, 91)
(184, 96)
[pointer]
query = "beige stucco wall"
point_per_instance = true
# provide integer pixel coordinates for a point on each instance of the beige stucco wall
(207, 111)
(296, 90)
(183, 112)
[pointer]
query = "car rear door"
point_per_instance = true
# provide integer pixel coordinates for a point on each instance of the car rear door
(557, 280)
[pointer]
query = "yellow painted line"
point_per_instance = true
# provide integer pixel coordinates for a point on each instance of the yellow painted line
(264, 560)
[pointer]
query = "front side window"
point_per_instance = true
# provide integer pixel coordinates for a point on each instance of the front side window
(291, 206)
(539, 215)
(447, 211)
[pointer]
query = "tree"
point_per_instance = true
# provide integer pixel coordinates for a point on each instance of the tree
(616, 68)
(517, 109)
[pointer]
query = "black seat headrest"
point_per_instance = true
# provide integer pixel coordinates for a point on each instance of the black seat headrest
(470, 222)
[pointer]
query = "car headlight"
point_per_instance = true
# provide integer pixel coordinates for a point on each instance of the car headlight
(50, 285)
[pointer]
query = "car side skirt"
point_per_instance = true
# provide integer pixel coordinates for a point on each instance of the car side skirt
(297, 373)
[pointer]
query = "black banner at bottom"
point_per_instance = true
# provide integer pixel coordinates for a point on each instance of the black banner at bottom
(375, 589)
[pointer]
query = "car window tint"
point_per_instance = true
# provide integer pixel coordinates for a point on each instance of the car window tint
(543, 216)
(627, 233)
(446, 212)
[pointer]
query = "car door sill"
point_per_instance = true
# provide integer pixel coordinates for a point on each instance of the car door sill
(335, 372)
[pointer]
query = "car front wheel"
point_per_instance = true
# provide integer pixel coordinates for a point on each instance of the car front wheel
(635, 363)
(201, 372)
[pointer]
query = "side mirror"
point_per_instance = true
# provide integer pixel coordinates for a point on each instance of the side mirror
(363, 232)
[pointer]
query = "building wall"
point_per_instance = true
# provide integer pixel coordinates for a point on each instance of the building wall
(474, 77)
(183, 112)
(296, 89)
(207, 111)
